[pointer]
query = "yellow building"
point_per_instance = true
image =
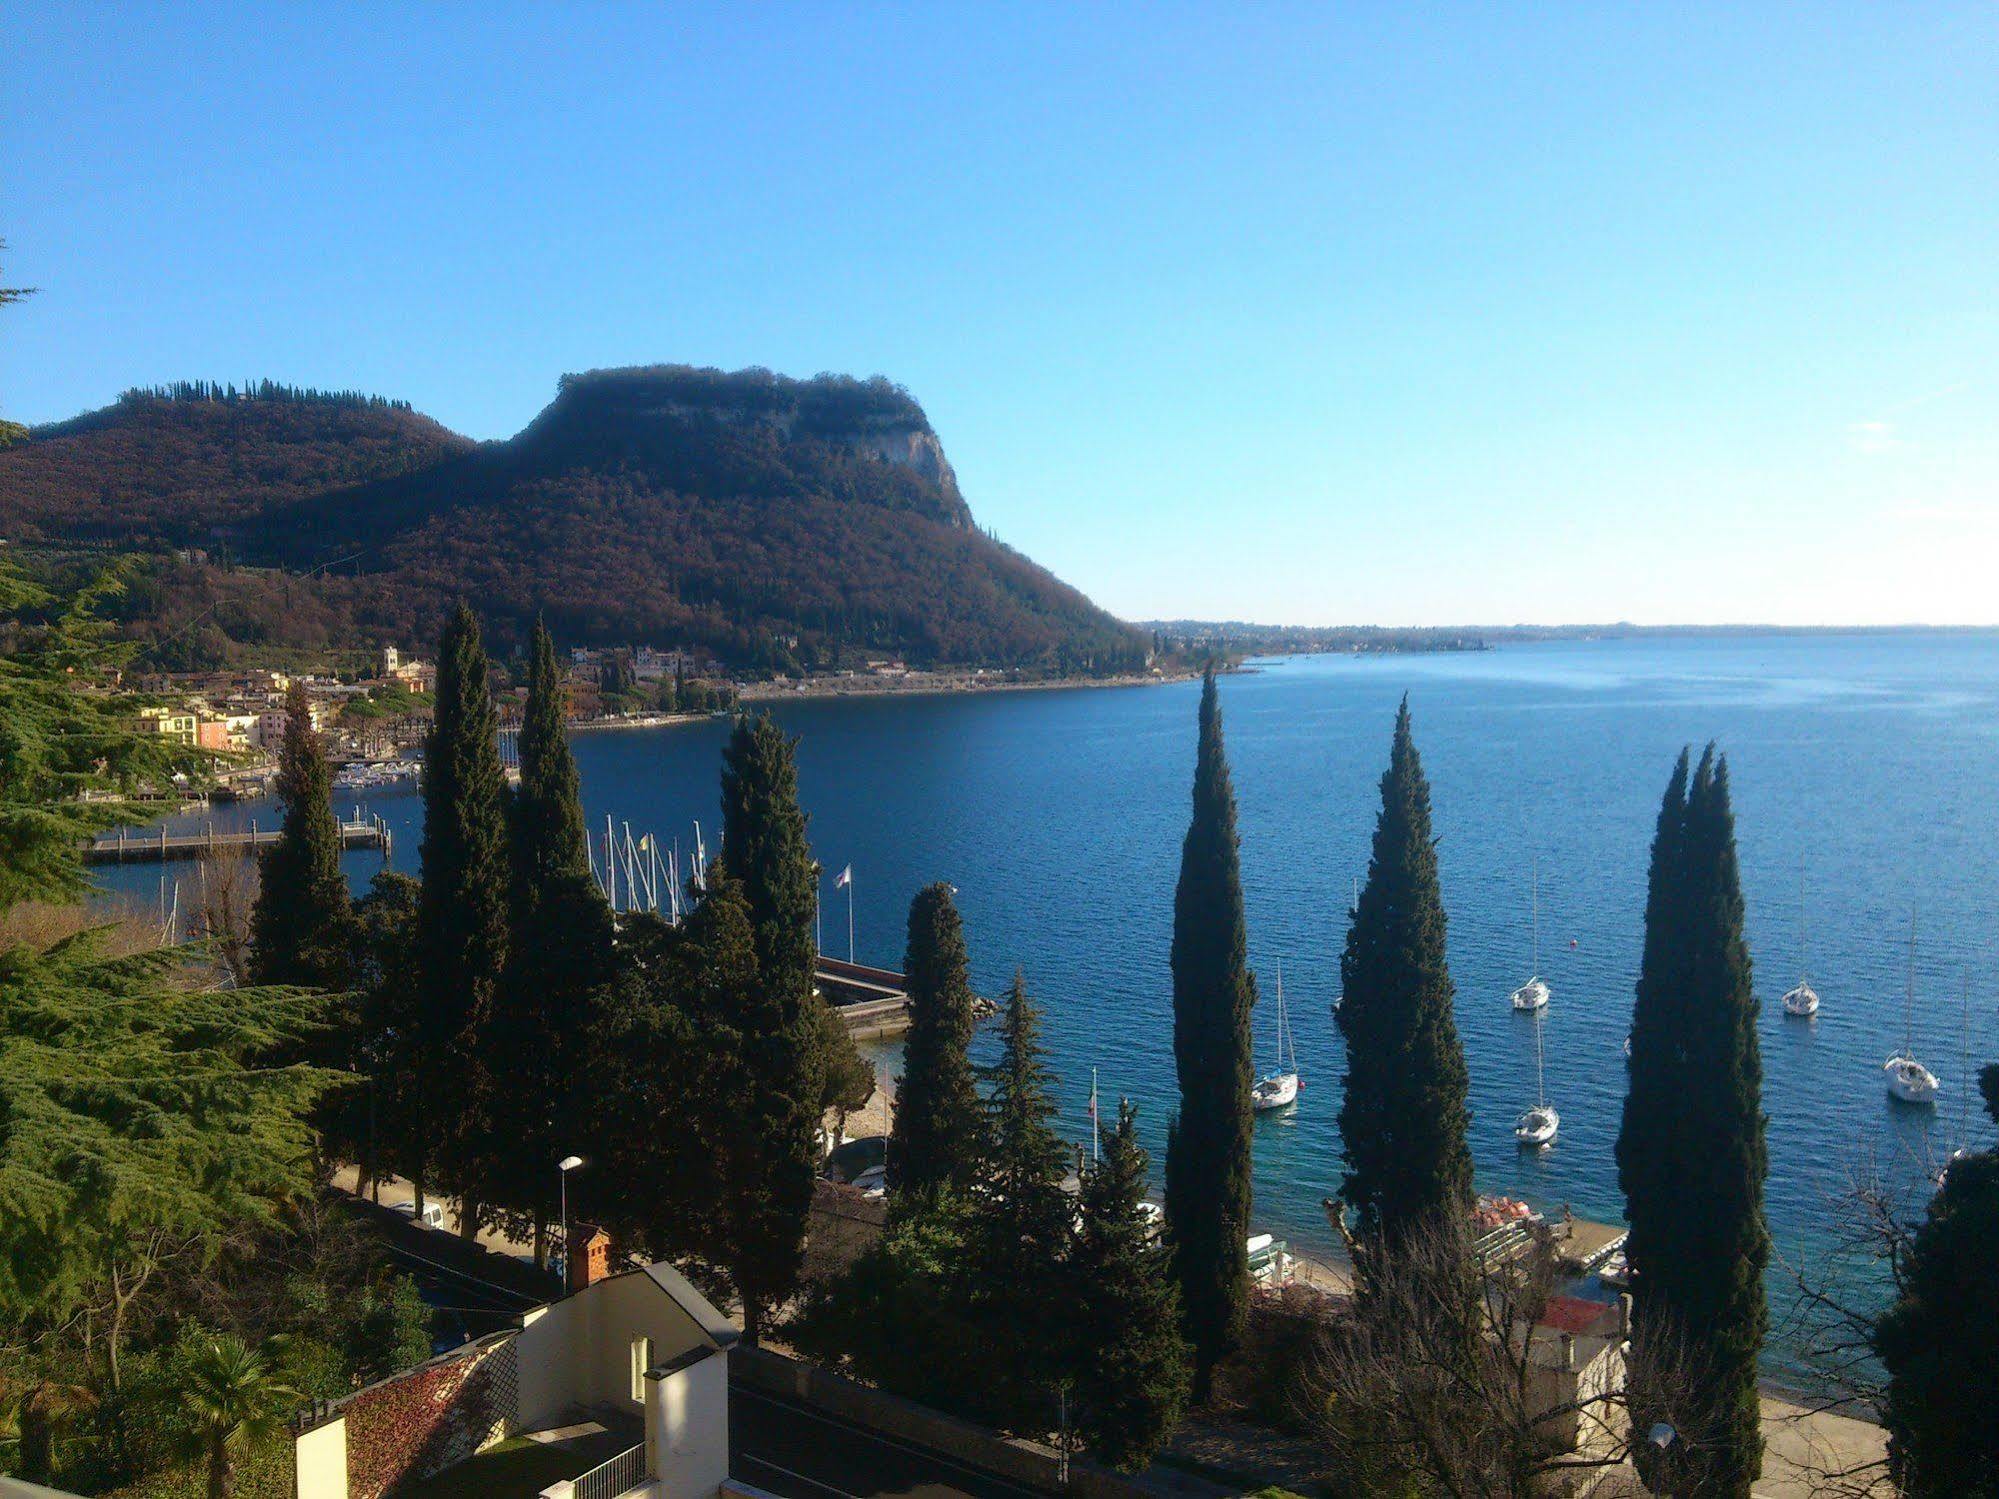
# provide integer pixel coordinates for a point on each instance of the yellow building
(177, 724)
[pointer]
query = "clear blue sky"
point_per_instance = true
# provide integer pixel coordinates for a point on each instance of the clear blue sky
(1318, 314)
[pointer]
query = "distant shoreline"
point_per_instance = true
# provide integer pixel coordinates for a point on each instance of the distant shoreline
(936, 685)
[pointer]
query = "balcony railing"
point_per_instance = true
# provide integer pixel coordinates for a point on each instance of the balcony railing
(615, 1476)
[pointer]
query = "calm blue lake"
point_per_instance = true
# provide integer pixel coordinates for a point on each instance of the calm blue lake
(1058, 815)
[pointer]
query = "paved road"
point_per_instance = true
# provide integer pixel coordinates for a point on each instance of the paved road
(797, 1453)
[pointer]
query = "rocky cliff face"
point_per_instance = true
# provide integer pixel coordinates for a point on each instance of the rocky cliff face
(873, 419)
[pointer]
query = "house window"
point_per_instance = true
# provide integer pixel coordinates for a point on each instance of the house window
(641, 1361)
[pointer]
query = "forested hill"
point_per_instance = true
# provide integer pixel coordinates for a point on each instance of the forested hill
(782, 524)
(189, 464)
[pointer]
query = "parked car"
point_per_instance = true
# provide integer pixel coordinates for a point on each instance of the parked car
(431, 1217)
(873, 1182)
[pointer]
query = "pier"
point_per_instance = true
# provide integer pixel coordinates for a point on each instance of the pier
(874, 1002)
(123, 847)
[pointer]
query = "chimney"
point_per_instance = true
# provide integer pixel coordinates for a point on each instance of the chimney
(591, 1261)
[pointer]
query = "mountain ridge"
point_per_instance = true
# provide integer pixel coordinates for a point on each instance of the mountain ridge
(782, 525)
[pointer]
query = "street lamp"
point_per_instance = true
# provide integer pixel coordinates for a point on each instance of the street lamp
(562, 1168)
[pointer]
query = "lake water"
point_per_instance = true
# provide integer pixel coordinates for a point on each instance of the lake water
(1059, 815)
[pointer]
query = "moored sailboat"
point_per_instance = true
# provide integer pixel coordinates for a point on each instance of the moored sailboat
(1801, 1001)
(1534, 994)
(1540, 1124)
(1909, 1081)
(1279, 1089)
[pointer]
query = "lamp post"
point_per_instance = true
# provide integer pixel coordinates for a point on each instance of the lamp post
(562, 1169)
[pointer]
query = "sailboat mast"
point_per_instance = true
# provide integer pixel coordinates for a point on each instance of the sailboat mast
(1909, 1001)
(1540, 1064)
(1536, 880)
(1801, 918)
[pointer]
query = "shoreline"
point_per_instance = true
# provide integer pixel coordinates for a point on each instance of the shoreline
(938, 685)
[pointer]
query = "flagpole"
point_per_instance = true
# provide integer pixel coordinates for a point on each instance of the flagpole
(1095, 1128)
(850, 913)
(818, 934)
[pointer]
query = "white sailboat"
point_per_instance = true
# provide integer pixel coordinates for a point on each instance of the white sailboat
(1533, 995)
(1802, 1001)
(1539, 1125)
(1909, 1081)
(1276, 1090)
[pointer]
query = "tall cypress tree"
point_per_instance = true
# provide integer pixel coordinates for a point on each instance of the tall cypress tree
(764, 837)
(1404, 1119)
(1692, 1133)
(297, 928)
(1208, 1141)
(559, 955)
(936, 1138)
(462, 919)
(1133, 1366)
(1021, 1226)
(1940, 1340)
(764, 848)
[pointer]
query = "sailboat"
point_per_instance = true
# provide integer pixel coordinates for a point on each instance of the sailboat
(1276, 1090)
(1538, 1126)
(1533, 995)
(1802, 1001)
(1909, 1080)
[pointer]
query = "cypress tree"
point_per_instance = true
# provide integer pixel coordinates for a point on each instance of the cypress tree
(1940, 1340)
(298, 925)
(935, 1140)
(1021, 1226)
(1404, 1119)
(1690, 1151)
(559, 955)
(1208, 1141)
(764, 847)
(462, 918)
(1133, 1366)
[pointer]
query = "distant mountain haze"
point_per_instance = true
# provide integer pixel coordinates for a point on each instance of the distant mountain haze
(783, 524)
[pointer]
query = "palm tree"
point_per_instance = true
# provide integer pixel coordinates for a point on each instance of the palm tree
(235, 1403)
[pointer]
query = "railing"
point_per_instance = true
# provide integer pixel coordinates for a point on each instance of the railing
(615, 1476)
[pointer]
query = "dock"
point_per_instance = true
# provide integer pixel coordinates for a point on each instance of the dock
(874, 1002)
(124, 847)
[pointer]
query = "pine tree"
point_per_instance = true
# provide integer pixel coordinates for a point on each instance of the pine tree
(298, 926)
(764, 847)
(462, 921)
(1133, 1366)
(1404, 1119)
(559, 954)
(936, 1137)
(1939, 1342)
(1021, 1226)
(1693, 1133)
(1208, 1142)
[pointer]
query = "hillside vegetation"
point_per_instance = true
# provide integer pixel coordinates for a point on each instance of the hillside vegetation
(782, 524)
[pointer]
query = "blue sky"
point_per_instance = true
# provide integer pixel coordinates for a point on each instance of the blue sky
(1321, 314)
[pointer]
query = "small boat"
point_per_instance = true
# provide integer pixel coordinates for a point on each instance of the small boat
(1802, 1001)
(1540, 1124)
(1279, 1089)
(1533, 995)
(1909, 1081)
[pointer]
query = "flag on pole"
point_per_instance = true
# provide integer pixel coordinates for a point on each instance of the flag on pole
(845, 878)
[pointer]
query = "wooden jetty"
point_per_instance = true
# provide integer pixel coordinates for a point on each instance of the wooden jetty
(123, 847)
